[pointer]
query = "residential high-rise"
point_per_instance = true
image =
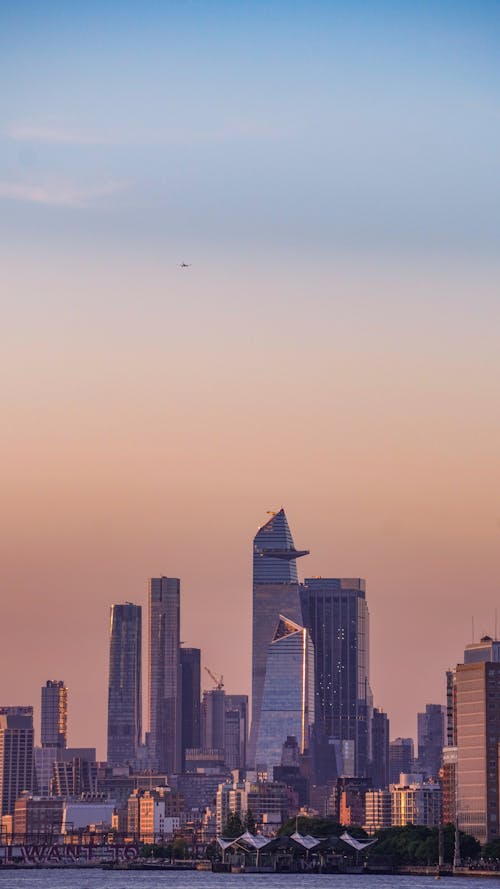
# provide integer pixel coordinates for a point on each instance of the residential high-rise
(401, 758)
(54, 714)
(165, 684)
(191, 681)
(16, 755)
(379, 766)
(275, 592)
(125, 684)
(287, 708)
(431, 737)
(478, 737)
(336, 615)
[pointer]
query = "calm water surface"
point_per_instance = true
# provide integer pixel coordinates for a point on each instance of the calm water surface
(80, 879)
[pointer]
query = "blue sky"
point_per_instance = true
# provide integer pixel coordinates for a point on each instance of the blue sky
(332, 126)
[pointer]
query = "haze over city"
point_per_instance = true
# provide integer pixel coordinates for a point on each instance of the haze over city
(330, 173)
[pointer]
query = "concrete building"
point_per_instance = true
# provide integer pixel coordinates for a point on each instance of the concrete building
(165, 682)
(37, 819)
(478, 737)
(416, 802)
(378, 810)
(16, 755)
(125, 684)
(149, 820)
(275, 592)
(54, 714)
(487, 649)
(336, 614)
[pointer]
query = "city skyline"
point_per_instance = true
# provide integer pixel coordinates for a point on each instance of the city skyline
(328, 172)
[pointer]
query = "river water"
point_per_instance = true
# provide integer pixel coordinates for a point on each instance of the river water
(86, 879)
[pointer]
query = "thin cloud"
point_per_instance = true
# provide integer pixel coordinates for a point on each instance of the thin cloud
(232, 130)
(54, 135)
(58, 194)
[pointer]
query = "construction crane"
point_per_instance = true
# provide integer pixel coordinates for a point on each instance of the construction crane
(219, 683)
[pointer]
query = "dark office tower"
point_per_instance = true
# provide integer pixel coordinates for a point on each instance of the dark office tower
(165, 684)
(379, 768)
(190, 669)
(54, 718)
(336, 615)
(478, 737)
(16, 755)
(236, 731)
(213, 719)
(275, 592)
(401, 758)
(431, 726)
(125, 684)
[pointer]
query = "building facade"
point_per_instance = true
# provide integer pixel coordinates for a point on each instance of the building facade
(236, 731)
(336, 614)
(191, 696)
(54, 714)
(165, 685)
(401, 758)
(275, 592)
(287, 707)
(125, 684)
(379, 766)
(478, 737)
(431, 737)
(16, 755)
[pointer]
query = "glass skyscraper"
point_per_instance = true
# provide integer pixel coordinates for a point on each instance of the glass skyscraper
(288, 696)
(336, 614)
(125, 691)
(275, 592)
(165, 682)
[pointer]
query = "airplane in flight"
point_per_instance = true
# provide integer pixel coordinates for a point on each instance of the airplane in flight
(184, 265)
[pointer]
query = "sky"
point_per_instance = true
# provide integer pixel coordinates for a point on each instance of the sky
(331, 172)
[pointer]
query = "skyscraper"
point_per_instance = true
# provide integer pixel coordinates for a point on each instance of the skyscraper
(275, 592)
(191, 683)
(431, 736)
(54, 714)
(336, 615)
(401, 758)
(478, 737)
(16, 755)
(379, 767)
(287, 708)
(165, 684)
(236, 731)
(125, 684)
(213, 719)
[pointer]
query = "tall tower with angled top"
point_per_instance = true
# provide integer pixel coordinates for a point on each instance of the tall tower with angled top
(275, 592)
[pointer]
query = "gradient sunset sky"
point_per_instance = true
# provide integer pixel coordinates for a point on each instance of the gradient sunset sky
(331, 171)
